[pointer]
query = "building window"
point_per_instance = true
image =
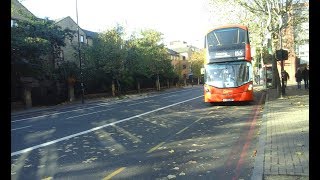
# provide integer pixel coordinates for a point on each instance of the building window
(184, 67)
(81, 38)
(183, 58)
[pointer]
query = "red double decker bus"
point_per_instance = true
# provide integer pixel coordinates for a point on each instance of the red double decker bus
(228, 73)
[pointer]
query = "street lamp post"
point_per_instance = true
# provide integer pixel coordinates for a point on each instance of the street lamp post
(79, 55)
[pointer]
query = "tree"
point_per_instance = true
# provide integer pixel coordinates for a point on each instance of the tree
(108, 55)
(155, 54)
(34, 43)
(197, 61)
(136, 63)
(68, 72)
(277, 17)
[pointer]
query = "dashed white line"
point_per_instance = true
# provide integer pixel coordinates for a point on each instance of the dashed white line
(169, 96)
(88, 113)
(138, 103)
(97, 105)
(20, 128)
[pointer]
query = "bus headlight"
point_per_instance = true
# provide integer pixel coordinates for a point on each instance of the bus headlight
(206, 89)
(250, 87)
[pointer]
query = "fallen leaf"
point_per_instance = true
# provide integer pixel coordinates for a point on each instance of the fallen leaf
(176, 168)
(47, 178)
(254, 153)
(171, 176)
(192, 162)
(182, 174)
(171, 151)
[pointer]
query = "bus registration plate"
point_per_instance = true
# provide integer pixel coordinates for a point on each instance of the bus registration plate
(227, 100)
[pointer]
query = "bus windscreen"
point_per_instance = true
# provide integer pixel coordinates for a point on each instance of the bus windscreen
(228, 74)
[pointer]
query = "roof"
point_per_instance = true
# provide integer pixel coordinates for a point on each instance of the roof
(172, 52)
(19, 12)
(87, 32)
(57, 20)
(229, 26)
(68, 17)
(90, 33)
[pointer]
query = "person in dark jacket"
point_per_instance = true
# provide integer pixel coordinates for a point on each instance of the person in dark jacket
(305, 77)
(285, 77)
(298, 76)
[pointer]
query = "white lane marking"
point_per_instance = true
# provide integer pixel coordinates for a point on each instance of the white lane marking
(46, 115)
(169, 96)
(20, 128)
(138, 103)
(97, 105)
(96, 128)
(88, 113)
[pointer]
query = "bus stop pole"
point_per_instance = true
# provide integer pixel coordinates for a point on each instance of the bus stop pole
(283, 90)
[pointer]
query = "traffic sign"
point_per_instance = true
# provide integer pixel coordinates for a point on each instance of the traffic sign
(281, 55)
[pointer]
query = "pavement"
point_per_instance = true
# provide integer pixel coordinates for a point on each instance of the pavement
(283, 149)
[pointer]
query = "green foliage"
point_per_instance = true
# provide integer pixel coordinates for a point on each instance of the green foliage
(136, 62)
(197, 61)
(107, 53)
(34, 45)
(127, 61)
(267, 58)
(155, 54)
(68, 69)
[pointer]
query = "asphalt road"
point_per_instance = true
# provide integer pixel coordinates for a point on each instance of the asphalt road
(164, 136)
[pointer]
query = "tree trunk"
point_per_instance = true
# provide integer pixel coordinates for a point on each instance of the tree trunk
(113, 88)
(158, 83)
(168, 83)
(27, 97)
(185, 81)
(71, 92)
(119, 87)
(138, 86)
(275, 77)
(274, 69)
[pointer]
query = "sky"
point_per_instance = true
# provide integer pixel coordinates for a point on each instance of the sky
(185, 20)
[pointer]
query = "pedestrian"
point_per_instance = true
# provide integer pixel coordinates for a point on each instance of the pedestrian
(305, 77)
(285, 77)
(257, 76)
(298, 76)
(261, 76)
